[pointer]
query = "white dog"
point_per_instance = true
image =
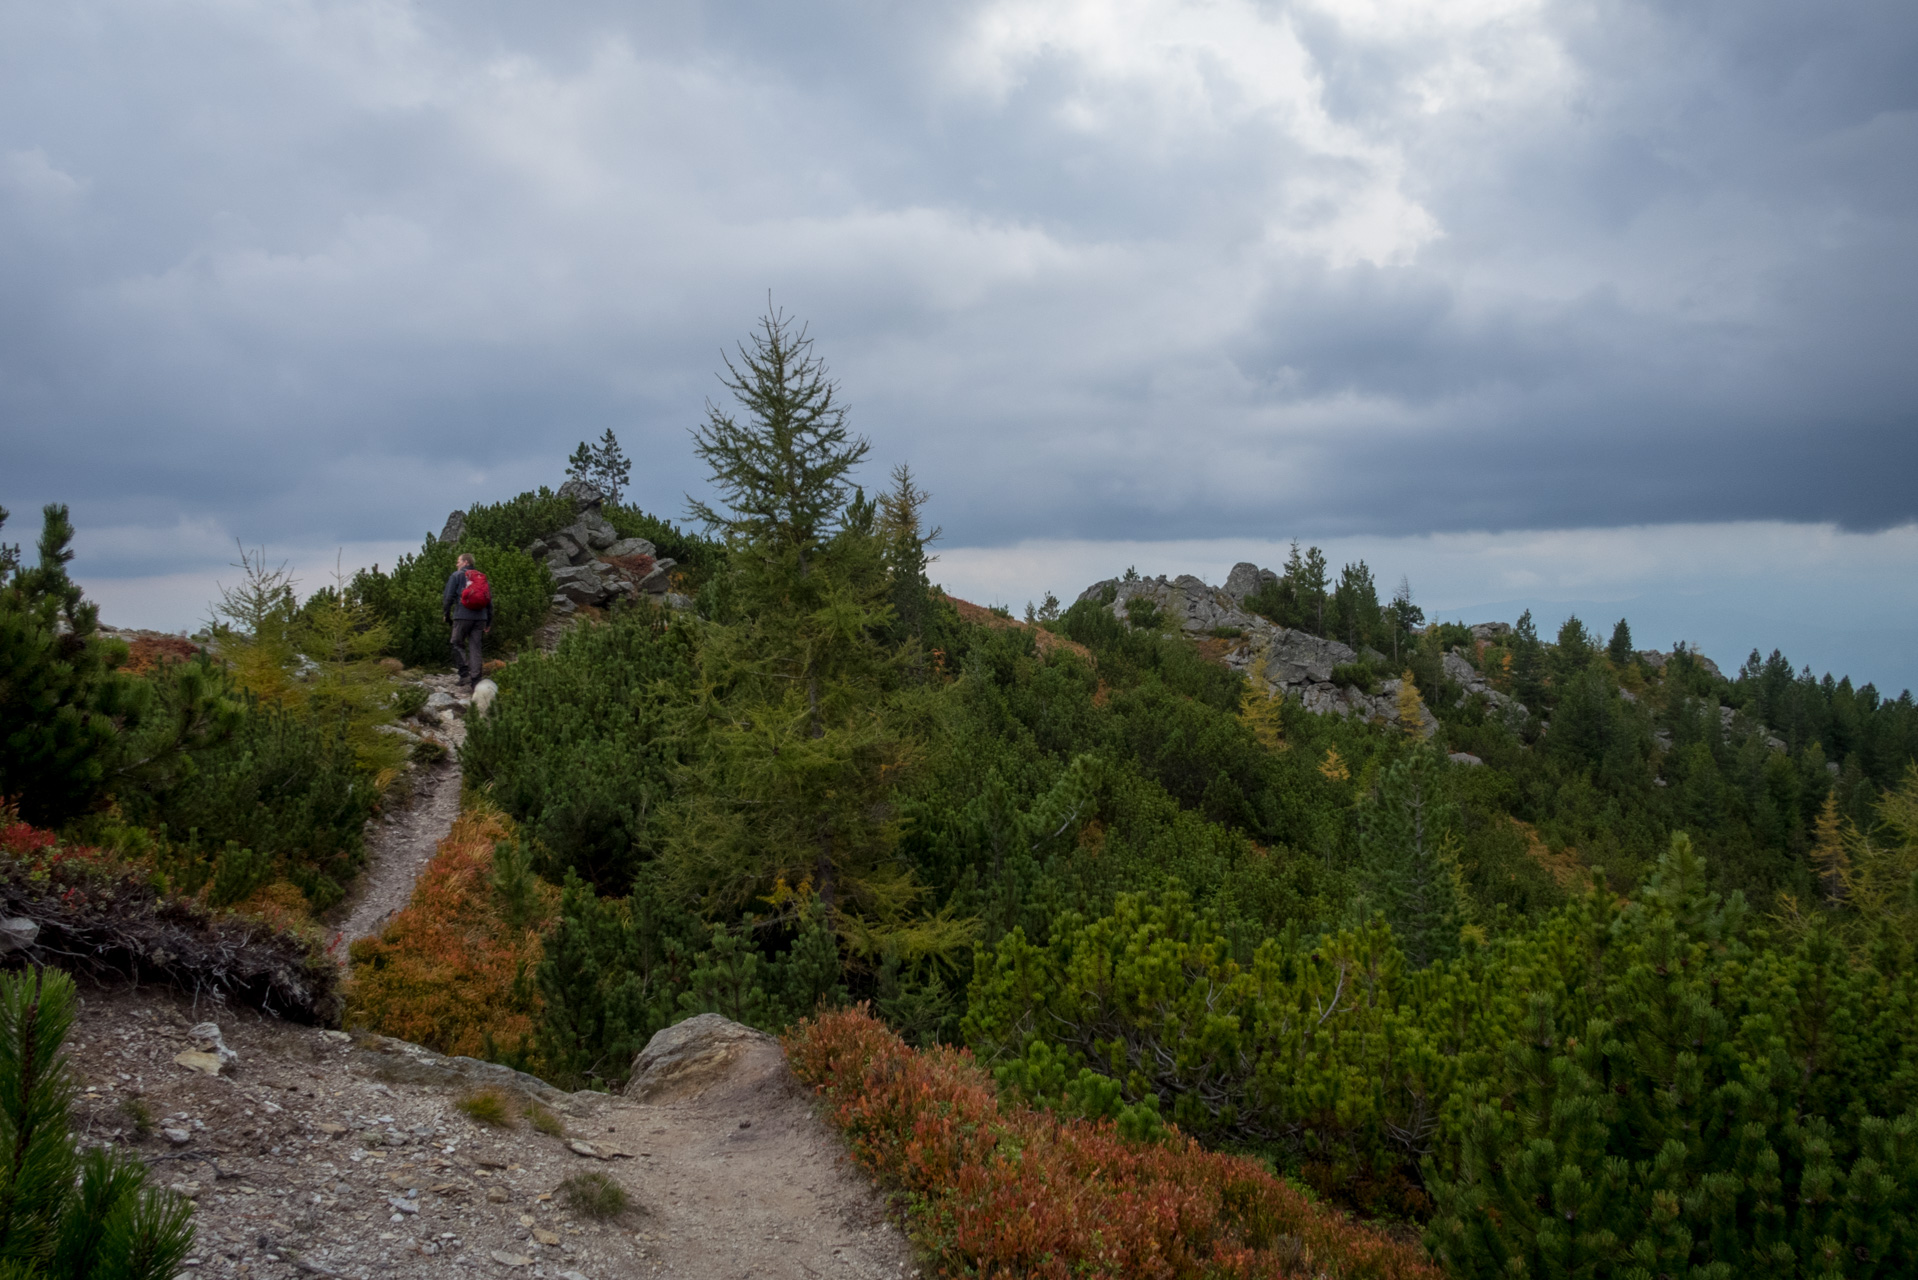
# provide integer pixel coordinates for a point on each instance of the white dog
(483, 694)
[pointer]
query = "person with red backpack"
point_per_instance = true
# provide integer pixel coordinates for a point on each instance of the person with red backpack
(469, 609)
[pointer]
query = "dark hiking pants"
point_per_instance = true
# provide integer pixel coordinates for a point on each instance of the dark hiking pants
(466, 648)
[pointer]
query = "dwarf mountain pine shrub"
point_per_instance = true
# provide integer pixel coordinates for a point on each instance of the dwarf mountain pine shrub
(67, 1214)
(408, 600)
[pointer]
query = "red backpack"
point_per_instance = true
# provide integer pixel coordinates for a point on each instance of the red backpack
(476, 594)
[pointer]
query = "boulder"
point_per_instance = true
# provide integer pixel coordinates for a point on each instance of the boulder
(578, 583)
(455, 527)
(17, 933)
(1247, 579)
(659, 579)
(1292, 657)
(687, 1059)
(1459, 670)
(592, 531)
(632, 547)
(1485, 632)
(563, 546)
(586, 495)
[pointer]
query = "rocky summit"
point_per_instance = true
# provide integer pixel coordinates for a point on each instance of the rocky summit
(1281, 660)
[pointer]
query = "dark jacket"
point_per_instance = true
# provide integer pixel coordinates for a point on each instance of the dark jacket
(458, 612)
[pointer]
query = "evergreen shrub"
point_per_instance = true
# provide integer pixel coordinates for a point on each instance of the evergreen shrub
(284, 798)
(409, 599)
(68, 1212)
(580, 746)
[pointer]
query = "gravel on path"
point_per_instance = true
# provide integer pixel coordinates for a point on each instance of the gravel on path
(319, 1154)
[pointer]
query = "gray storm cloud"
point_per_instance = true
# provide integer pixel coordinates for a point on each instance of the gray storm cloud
(1144, 270)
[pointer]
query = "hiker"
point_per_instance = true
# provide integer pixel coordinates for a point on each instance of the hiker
(468, 606)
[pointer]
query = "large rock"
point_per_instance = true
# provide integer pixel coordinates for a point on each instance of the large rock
(586, 495)
(690, 1058)
(1280, 660)
(1247, 579)
(632, 547)
(455, 527)
(578, 583)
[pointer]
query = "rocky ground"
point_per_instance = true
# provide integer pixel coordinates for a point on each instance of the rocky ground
(317, 1153)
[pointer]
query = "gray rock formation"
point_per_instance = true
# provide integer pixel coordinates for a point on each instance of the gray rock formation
(1467, 677)
(586, 494)
(1278, 659)
(1248, 579)
(592, 565)
(455, 527)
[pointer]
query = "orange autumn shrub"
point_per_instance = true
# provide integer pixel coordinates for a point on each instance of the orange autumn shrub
(997, 1190)
(447, 971)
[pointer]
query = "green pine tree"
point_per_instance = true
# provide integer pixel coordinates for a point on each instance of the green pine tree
(902, 525)
(64, 1214)
(71, 726)
(1620, 648)
(1410, 857)
(793, 780)
(610, 469)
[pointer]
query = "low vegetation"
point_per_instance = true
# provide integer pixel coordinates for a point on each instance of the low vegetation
(593, 1195)
(999, 1189)
(489, 1107)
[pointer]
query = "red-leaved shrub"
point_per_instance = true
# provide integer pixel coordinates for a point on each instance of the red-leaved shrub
(996, 1189)
(448, 971)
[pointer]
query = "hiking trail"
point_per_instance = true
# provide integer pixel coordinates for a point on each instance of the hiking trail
(400, 843)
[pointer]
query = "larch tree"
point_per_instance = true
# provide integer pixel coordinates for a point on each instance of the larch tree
(790, 796)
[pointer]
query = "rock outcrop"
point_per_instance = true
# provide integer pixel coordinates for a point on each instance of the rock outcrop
(592, 565)
(1467, 677)
(1281, 660)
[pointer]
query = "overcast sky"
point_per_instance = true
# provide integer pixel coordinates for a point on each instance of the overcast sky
(1494, 291)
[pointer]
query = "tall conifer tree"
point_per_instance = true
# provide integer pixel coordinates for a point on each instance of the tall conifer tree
(793, 788)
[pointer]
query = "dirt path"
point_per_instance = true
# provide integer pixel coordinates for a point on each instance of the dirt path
(318, 1155)
(401, 843)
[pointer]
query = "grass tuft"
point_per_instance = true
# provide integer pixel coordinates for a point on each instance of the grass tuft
(545, 1121)
(593, 1195)
(139, 1115)
(487, 1107)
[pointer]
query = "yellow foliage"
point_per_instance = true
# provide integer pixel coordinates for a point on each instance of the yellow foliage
(1828, 849)
(1259, 711)
(1410, 707)
(1333, 766)
(1879, 874)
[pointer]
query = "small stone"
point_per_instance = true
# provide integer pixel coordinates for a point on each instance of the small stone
(190, 1190)
(330, 1129)
(510, 1259)
(581, 1147)
(178, 1137)
(544, 1236)
(205, 1063)
(497, 1195)
(571, 1275)
(404, 1206)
